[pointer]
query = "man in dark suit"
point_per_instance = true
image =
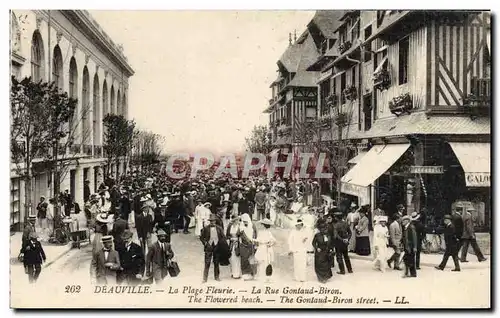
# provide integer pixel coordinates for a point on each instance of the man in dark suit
(144, 227)
(458, 223)
(452, 242)
(341, 236)
(158, 258)
(420, 228)
(33, 257)
(468, 237)
(212, 237)
(410, 243)
(132, 261)
(119, 227)
(105, 263)
(161, 221)
(125, 206)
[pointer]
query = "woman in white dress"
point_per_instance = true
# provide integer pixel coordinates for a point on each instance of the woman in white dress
(232, 235)
(265, 251)
(271, 208)
(380, 236)
(197, 216)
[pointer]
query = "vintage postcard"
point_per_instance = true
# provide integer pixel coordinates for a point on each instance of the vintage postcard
(250, 159)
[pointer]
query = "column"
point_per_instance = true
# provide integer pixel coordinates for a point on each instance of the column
(78, 195)
(91, 179)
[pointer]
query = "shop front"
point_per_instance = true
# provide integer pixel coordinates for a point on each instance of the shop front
(362, 180)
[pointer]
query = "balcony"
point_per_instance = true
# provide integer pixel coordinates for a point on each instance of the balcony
(98, 153)
(75, 148)
(87, 150)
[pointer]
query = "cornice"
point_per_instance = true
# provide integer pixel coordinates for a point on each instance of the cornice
(90, 27)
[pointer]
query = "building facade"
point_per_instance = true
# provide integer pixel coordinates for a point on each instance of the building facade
(69, 48)
(414, 91)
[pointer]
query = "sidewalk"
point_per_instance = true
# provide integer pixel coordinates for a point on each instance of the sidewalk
(427, 260)
(52, 252)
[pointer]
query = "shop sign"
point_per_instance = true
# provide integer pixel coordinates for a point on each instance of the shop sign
(427, 169)
(355, 190)
(477, 179)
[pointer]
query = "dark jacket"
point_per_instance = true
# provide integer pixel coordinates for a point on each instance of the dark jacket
(450, 238)
(143, 225)
(132, 260)
(410, 242)
(458, 224)
(420, 228)
(125, 206)
(119, 226)
(205, 237)
(157, 259)
(33, 253)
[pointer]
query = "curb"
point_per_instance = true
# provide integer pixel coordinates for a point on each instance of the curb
(68, 248)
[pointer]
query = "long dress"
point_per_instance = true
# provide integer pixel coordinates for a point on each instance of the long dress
(362, 237)
(199, 223)
(298, 244)
(247, 251)
(323, 246)
(272, 210)
(234, 246)
(265, 251)
(101, 229)
(380, 235)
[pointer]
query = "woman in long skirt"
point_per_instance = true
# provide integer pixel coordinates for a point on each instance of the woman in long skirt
(265, 251)
(234, 247)
(101, 229)
(362, 235)
(323, 250)
(247, 233)
(380, 236)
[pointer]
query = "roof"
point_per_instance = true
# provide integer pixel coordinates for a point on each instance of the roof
(325, 59)
(291, 57)
(327, 21)
(305, 79)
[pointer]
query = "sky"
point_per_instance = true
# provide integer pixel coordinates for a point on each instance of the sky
(201, 77)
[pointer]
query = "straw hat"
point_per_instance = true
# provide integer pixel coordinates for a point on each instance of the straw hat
(103, 217)
(107, 238)
(267, 222)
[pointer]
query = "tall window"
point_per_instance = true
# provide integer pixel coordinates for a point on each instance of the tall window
(97, 114)
(85, 106)
(57, 68)
(353, 76)
(37, 57)
(73, 87)
(105, 100)
(112, 102)
(118, 103)
(404, 51)
(325, 91)
(368, 55)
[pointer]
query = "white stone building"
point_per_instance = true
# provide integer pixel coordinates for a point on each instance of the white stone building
(71, 49)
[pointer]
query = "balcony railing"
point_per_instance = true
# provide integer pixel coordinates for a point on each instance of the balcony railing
(480, 95)
(76, 148)
(87, 150)
(98, 151)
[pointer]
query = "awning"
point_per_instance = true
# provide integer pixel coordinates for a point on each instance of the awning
(376, 161)
(381, 65)
(358, 158)
(475, 160)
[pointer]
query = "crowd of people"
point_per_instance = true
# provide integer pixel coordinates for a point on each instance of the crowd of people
(224, 214)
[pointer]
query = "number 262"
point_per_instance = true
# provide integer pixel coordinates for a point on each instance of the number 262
(71, 289)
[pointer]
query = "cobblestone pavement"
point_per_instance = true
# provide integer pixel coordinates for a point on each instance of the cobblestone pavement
(471, 287)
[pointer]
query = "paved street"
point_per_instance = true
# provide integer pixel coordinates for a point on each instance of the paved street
(427, 289)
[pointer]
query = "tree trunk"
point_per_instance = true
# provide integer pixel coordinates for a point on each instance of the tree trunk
(28, 183)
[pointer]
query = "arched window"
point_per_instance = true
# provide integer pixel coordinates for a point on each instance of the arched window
(73, 89)
(37, 57)
(118, 103)
(105, 101)
(86, 133)
(112, 109)
(57, 68)
(97, 113)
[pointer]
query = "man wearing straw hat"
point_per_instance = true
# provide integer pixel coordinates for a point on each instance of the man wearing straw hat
(158, 258)
(212, 237)
(105, 263)
(33, 256)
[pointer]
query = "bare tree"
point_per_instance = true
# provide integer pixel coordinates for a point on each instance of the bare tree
(147, 148)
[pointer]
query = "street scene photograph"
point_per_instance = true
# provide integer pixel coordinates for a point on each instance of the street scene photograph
(322, 159)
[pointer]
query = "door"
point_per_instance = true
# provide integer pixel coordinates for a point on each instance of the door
(72, 183)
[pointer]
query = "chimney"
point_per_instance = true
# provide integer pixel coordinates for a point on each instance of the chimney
(295, 35)
(290, 38)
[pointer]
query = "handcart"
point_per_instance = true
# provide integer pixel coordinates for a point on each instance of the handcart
(77, 236)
